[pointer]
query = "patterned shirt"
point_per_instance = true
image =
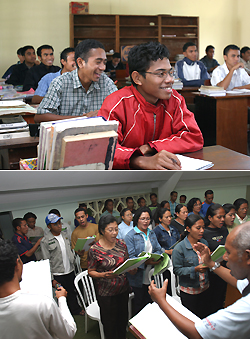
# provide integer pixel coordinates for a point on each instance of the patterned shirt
(67, 96)
(103, 260)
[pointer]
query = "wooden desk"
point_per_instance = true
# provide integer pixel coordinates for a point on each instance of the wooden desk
(223, 158)
(188, 94)
(11, 150)
(223, 120)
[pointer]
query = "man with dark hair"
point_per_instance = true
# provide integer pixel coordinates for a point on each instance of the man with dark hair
(20, 71)
(209, 196)
(66, 229)
(172, 202)
(208, 60)
(25, 315)
(9, 71)
(231, 322)
(34, 232)
(82, 91)
(90, 218)
(183, 199)
(84, 230)
(154, 203)
(153, 118)
(141, 202)
(245, 58)
(130, 204)
(114, 64)
(45, 54)
(231, 74)
(192, 72)
(25, 248)
(67, 59)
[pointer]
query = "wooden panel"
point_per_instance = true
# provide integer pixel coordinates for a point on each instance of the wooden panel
(231, 121)
(232, 295)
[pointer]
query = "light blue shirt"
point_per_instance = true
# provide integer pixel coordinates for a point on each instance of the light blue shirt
(124, 229)
(114, 213)
(43, 84)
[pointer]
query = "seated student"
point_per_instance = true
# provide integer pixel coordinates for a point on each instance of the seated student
(209, 196)
(208, 60)
(56, 247)
(114, 64)
(153, 118)
(245, 58)
(109, 209)
(231, 322)
(34, 231)
(26, 315)
(231, 74)
(66, 229)
(84, 230)
(192, 72)
(82, 91)
(25, 249)
(20, 71)
(67, 59)
(9, 71)
(45, 54)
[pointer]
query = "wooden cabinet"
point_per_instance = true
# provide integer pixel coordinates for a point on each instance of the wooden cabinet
(115, 31)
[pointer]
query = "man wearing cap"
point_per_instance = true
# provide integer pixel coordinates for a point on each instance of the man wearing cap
(56, 247)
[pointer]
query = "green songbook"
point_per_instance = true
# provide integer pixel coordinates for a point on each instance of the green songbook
(130, 264)
(84, 243)
(155, 256)
(163, 265)
(217, 254)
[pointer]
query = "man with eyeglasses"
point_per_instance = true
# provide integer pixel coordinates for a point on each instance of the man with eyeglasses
(154, 122)
(192, 72)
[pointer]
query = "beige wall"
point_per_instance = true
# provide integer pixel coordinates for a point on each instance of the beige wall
(38, 22)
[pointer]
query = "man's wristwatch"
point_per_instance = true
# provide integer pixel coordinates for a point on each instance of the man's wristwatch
(216, 265)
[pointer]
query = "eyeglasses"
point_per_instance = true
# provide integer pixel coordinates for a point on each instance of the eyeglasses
(144, 219)
(112, 230)
(164, 74)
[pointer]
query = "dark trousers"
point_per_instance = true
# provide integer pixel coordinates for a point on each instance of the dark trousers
(114, 315)
(217, 292)
(67, 282)
(197, 303)
(141, 298)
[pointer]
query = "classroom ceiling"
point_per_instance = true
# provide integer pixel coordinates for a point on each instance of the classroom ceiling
(22, 189)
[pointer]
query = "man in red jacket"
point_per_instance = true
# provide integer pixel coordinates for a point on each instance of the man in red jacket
(154, 122)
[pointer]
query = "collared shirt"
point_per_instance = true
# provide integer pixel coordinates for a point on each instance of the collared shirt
(114, 213)
(18, 74)
(246, 65)
(191, 73)
(67, 96)
(239, 221)
(124, 229)
(23, 245)
(43, 84)
(239, 78)
(209, 63)
(139, 231)
(172, 207)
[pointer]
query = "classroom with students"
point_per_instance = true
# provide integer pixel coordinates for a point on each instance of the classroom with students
(169, 80)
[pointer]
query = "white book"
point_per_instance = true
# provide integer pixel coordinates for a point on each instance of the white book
(192, 164)
(14, 130)
(14, 135)
(153, 323)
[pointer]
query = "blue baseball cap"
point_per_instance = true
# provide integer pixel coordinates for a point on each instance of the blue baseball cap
(52, 218)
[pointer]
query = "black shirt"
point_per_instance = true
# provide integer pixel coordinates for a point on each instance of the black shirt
(111, 67)
(215, 236)
(178, 226)
(18, 74)
(34, 75)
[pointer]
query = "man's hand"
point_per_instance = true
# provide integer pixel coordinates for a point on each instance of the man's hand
(205, 254)
(158, 294)
(91, 114)
(239, 65)
(39, 240)
(160, 161)
(146, 149)
(61, 292)
(169, 252)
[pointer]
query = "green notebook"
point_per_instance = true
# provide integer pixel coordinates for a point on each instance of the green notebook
(130, 264)
(155, 256)
(163, 265)
(84, 243)
(217, 254)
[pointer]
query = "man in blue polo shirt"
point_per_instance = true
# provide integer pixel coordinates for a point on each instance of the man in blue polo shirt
(25, 249)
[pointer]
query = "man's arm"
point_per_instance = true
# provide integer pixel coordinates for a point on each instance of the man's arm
(34, 248)
(226, 81)
(183, 324)
(36, 99)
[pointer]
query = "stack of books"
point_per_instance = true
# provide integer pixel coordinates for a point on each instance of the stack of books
(77, 144)
(12, 124)
(178, 84)
(212, 91)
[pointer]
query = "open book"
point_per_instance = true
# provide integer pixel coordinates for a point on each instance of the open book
(163, 264)
(130, 264)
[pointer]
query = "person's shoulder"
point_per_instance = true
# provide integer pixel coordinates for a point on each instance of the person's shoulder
(204, 58)
(204, 241)
(121, 243)
(92, 225)
(130, 234)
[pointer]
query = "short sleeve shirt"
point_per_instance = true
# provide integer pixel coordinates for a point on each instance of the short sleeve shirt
(103, 260)
(231, 322)
(23, 245)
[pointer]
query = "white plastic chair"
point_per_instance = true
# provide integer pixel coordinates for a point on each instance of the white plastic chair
(92, 310)
(78, 268)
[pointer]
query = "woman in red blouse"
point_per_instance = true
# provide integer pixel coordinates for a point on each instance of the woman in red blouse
(112, 290)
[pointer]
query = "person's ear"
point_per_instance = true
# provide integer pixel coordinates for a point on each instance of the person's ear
(188, 229)
(248, 257)
(185, 54)
(225, 57)
(63, 62)
(80, 62)
(209, 218)
(39, 58)
(136, 78)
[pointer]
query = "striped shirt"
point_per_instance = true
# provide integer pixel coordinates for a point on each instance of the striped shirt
(67, 96)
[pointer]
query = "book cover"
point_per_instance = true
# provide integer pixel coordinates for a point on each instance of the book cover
(130, 264)
(163, 265)
(84, 243)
